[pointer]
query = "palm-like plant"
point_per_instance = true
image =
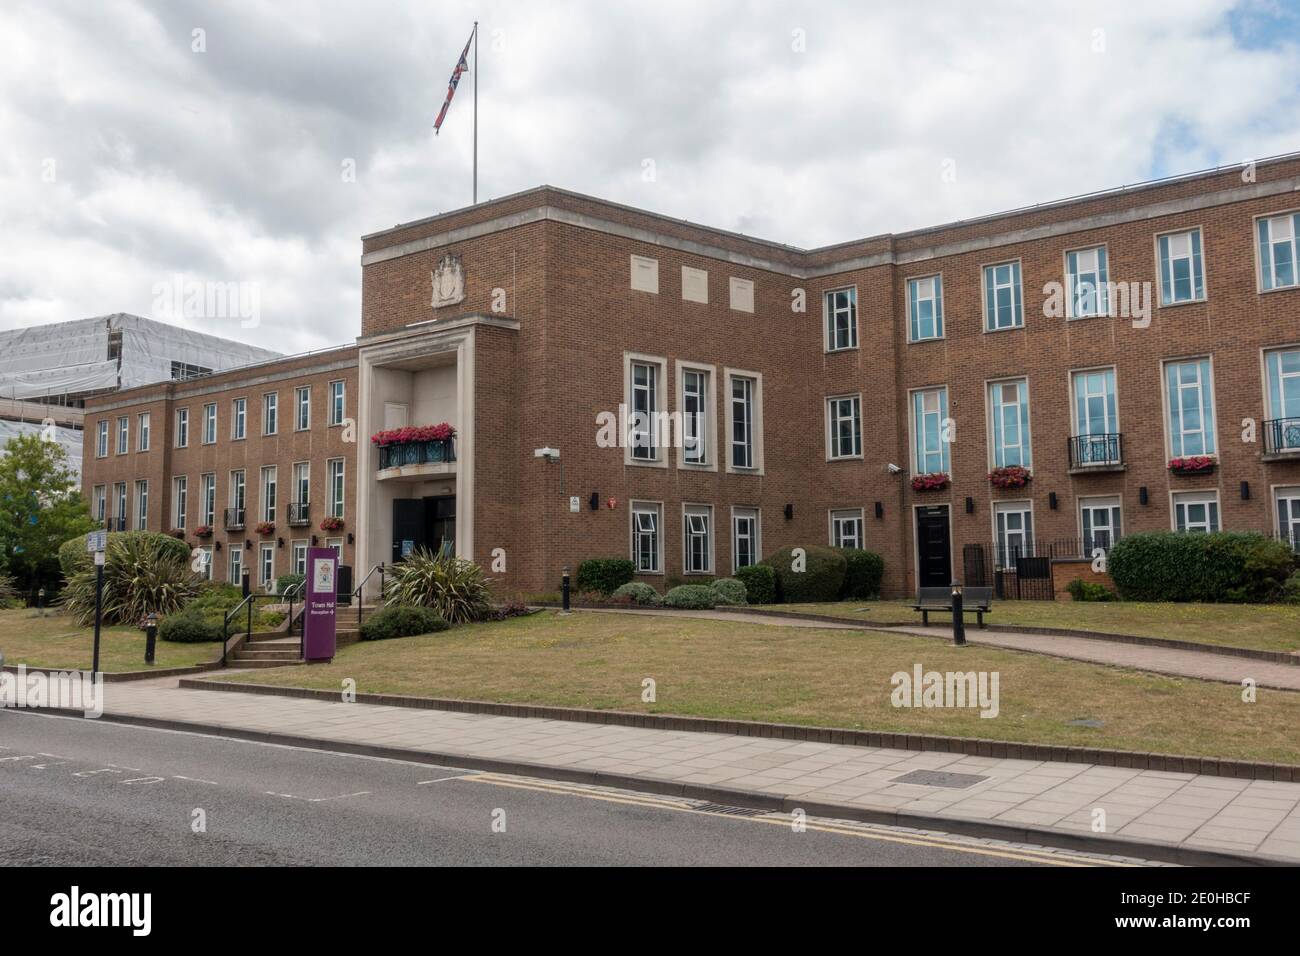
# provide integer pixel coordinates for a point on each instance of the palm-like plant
(452, 586)
(139, 578)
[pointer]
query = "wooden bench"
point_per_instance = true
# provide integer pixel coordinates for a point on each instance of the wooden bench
(979, 600)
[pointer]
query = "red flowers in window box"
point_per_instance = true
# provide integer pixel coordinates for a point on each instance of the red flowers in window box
(934, 481)
(1011, 476)
(1191, 465)
(413, 434)
(265, 527)
(331, 524)
(203, 531)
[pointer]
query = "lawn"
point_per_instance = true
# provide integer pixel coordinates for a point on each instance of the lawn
(53, 640)
(836, 678)
(1266, 627)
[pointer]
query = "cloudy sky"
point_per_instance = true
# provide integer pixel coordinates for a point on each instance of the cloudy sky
(134, 150)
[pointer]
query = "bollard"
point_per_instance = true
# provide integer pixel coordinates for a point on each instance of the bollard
(564, 591)
(958, 623)
(150, 637)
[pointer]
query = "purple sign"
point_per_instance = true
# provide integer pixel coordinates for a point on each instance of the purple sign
(318, 619)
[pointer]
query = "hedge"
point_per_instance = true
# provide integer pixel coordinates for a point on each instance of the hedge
(1227, 566)
(189, 627)
(401, 620)
(605, 575)
(862, 574)
(760, 583)
(635, 592)
(730, 591)
(694, 596)
(286, 581)
(820, 578)
(74, 557)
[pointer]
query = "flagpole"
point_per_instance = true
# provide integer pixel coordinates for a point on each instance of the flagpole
(475, 112)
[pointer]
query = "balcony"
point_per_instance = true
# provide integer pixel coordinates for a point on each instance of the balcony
(299, 514)
(1281, 438)
(234, 519)
(1096, 453)
(416, 459)
(115, 524)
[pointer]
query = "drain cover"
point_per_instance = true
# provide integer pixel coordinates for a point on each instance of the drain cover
(941, 778)
(728, 811)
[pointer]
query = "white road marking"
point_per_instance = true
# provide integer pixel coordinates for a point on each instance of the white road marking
(441, 779)
(342, 796)
(195, 780)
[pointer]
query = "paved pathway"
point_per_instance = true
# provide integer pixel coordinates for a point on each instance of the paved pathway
(1157, 660)
(1175, 809)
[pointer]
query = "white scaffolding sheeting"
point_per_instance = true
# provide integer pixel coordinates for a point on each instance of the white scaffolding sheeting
(69, 438)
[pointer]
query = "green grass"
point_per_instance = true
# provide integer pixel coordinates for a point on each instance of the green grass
(53, 640)
(1267, 627)
(809, 676)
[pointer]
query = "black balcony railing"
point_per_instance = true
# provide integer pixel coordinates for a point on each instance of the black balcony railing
(299, 514)
(417, 453)
(234, 519)
(1096, 451)
(115, 524)
(1281, 435)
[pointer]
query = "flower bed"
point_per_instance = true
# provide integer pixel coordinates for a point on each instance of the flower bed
(1192, 465)
(1011, 476)
(934, 481)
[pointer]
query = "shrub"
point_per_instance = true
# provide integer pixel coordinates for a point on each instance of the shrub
(1082, 590)
(760, 583)
(730, 591)
(605, 575)
(189, 627)
(676, 581)
(694, 596)
(8, 592)
(862, 573)
(821, 579)
(452, 586)
(1221, 566)
(73, 556)
(401, 621)
(286, 581)
(143, 573)
(635, 592)
(510, 609)
(1291, 589)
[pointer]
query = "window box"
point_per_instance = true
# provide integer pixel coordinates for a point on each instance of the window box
(331, 524)
(203, 531)
(1012, 476)
(265, 527)
(1192, 465)
(934, 481)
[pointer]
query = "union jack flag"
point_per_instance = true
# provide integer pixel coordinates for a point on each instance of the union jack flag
(462, 66)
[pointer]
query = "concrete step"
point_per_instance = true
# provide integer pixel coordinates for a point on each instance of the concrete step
(246, 662)
(284, 655)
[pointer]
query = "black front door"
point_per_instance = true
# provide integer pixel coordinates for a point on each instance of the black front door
(440, 515)
(409, 526)
(933, 547)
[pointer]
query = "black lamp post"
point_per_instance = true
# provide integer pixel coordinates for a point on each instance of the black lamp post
(958, 623)
(564, 591)
(150, 625)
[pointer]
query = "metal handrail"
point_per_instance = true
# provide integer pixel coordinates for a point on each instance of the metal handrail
(291, 592)
(225, 624)
(361, 605)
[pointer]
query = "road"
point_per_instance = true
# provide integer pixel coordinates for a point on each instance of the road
(93, 793)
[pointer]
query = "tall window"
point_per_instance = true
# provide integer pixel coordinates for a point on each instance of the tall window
(119, 511)
(1196, 511)
(238, 495)
(239, 416)
(180, 499)
(142, 505)
(269, 484)
(695, 391)
(841, 306)
(336, 403)
(205, 557)
(1191, 407)
(1288, 515)
(208, 491)
(142, 432)
(1086, 283)
(742, 422)
(1099, 519)
(645, 408)
(846, 528)
(123, 435)
(1003, 306)
(301, 482)
(744, 538)
(182, 428)
(925, 308)
(1009, 409)
(1013, 525)
(1182, 276)
(270, 413)
(267, 576)
(299, 557)
(302, 408)
(334, 469)
(1278, 251)
(645, 537)
(101, 441)
(844, 417)
(236, 565)
(209, 424)
(1095, 410)
(929, 435)
(99, 507)
(1283, 399)
(699, 543)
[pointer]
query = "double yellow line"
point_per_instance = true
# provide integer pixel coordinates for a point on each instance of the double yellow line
(865, 832)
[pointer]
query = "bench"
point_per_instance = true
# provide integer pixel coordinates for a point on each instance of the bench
(979, 600)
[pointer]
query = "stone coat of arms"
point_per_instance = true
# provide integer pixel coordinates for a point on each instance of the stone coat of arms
(448, 282)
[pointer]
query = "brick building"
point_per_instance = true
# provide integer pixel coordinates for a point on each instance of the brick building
(1089, 342)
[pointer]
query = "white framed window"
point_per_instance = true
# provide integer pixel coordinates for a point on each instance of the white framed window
(697, 534)
(925, 308)
(744, 421)
(238, 497)
(1189, 401)
(266, 577)
(269, 491)
(699, 417)
(930, 445)
(239, 419)
(142, 431)
(123, 435)
(301, 482)
(647, 542)
(99, 503)
(101, 439)
(1196, 511)
(142, 505)
(302, 408)
(1013, 531)
(846, 528)
(1278, 251)
(236, 564)
(1003, 297)
(1096, 408)
(270, 413)
(1008, 403)
(647, 425)
(336, 544)
(299, 557)
(336, 403)
(1283, 384)
(334, 472)
(841, 310)
(1100, 523)
(208, 493)
(180, 499)
(746, 548)
(1182, 272)
(209, 424)
(119, 501)
(1086, 283)
(1287, 503)
(844, 427)
(205, 563)
(182, 428)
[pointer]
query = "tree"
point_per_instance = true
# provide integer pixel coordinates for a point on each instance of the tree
(40, 508)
